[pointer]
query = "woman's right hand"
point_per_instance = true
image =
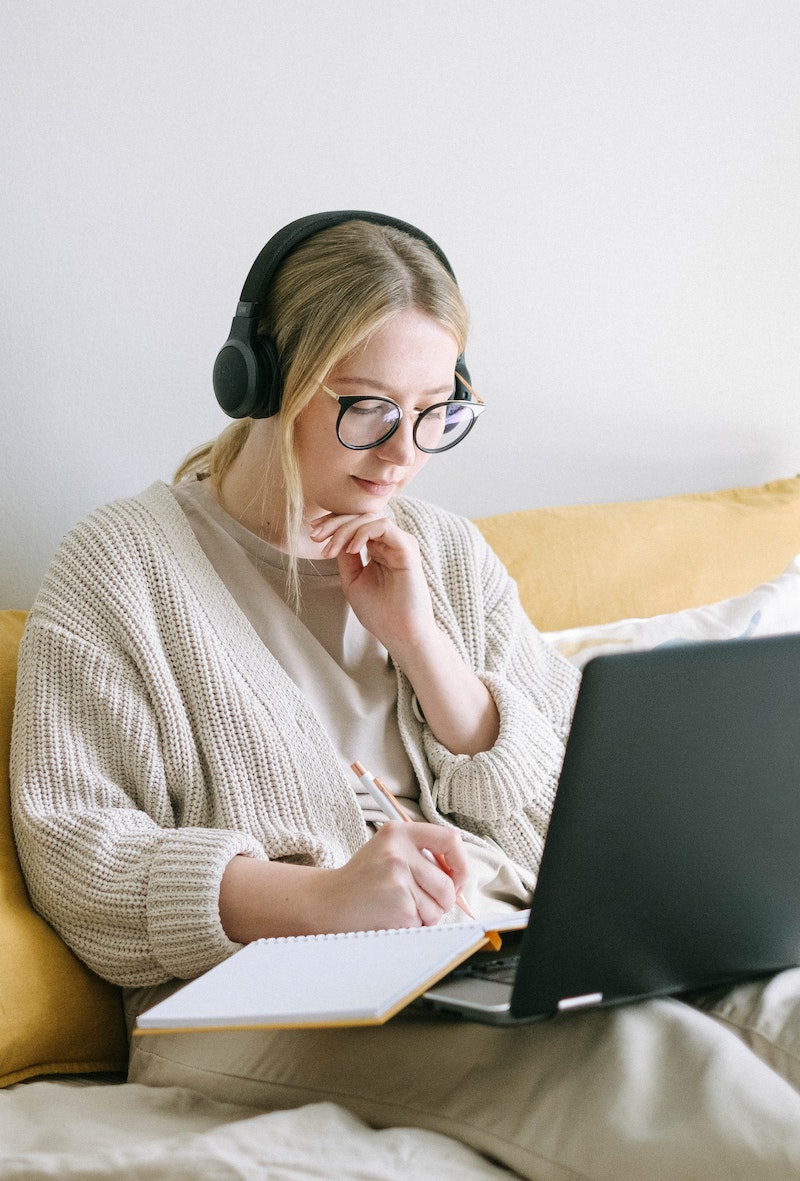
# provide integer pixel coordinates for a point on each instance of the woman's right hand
(389, 882)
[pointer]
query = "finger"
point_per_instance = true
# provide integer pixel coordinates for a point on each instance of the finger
(332, 523)
(355, 535)
(445, 842)
(350, 566)
(430, 912)
(434, 892)
(395, 548)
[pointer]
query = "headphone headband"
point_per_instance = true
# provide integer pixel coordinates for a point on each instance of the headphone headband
(247, 373)
(281, 245)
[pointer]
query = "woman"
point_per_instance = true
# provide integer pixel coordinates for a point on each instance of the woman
(204, 663)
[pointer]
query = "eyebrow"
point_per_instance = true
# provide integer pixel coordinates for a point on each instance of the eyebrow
(387, 390)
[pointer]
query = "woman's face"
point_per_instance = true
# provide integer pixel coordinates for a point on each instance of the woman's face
(411, 360)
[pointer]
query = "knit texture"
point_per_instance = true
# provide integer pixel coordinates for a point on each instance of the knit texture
(156, 737)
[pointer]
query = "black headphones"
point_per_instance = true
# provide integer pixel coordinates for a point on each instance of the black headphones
(247, 371)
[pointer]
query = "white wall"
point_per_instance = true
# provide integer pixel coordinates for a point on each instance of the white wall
(616, 182)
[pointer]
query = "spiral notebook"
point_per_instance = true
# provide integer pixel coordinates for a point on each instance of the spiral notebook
(357, 978)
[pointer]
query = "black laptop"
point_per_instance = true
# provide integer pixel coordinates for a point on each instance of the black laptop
(672, 860)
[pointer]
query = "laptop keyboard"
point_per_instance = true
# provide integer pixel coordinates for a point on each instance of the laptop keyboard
(502, 970)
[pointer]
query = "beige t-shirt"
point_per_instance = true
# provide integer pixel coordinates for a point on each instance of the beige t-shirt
(342, 669)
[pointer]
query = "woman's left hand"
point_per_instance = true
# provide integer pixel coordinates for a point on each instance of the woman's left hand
(389, 594)
(390, 597)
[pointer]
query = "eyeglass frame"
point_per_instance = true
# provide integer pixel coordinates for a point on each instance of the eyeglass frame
(475, 403)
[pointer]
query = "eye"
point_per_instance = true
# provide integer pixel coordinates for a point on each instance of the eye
(436, 413)
(369, 408)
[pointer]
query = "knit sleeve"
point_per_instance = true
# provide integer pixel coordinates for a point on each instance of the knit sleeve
(104, 771)
(108, 859)
(505, 793)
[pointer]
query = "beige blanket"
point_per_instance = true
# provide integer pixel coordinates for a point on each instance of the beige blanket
(70, 1129)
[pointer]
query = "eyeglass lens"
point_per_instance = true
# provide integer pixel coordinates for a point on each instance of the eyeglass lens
(369, 421)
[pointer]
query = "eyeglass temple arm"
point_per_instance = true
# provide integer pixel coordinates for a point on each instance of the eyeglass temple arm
(474, 393)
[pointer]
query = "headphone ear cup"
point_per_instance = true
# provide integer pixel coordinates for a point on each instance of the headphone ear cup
(247, 377)
(270, 379)
(462, 393)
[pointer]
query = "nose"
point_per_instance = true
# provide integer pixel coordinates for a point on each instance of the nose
(400, 448)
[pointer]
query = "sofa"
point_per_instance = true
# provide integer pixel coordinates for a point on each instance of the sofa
(593, 578)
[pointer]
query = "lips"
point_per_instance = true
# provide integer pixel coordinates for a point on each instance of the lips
(376, 487)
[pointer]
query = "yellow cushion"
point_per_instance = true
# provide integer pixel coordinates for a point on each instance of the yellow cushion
(596, 563)
(56, 1017)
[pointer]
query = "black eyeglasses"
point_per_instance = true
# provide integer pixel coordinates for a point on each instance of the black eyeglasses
(368, 422)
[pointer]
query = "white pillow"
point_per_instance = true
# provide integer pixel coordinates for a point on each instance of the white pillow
(770, 609)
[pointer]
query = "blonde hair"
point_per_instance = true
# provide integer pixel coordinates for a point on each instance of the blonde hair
(330, 294)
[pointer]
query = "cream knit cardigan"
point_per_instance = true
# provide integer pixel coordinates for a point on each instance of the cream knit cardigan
(156, 737)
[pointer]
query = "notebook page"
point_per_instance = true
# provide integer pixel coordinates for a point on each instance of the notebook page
(357, 977)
